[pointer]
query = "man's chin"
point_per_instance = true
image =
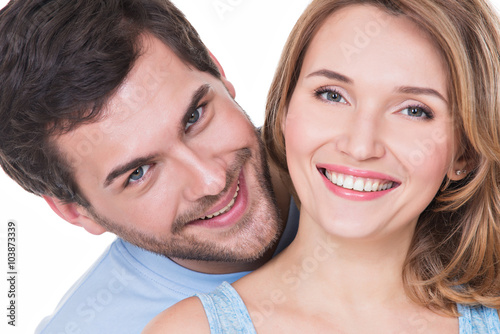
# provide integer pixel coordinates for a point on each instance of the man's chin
(236, 252)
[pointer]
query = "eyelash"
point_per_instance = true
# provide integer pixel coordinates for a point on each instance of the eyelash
(425, 110)
(129, 182)
(200, 118)
(325, 89)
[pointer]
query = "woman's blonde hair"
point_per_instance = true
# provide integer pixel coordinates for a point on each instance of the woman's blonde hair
(454, 256)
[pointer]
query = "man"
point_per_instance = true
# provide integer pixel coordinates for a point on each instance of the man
(115, 113)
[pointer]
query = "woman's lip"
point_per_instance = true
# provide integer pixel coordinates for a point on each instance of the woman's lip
(357, 172)
(354, 195)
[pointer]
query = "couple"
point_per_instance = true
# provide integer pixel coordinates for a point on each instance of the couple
(393, 151)
(392, 144)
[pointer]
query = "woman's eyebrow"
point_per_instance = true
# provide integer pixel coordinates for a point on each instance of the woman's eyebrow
(330, 75)
(420, 91)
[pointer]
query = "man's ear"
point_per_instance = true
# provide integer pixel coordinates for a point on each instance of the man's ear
(74, 214)
(227, 83)
(229, 87)
(221, 70)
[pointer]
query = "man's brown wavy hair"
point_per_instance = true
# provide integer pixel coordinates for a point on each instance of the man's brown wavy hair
(60, 62)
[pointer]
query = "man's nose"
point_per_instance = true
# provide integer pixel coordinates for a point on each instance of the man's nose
(205, 175)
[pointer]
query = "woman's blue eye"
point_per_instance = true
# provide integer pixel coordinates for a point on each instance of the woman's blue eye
(331, 96)
(194, 117)
(417, 112)
(138, 173)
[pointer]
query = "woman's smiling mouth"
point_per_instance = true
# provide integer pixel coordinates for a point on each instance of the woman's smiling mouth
(357, 183)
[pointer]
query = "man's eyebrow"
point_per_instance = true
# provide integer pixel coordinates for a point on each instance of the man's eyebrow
(420, 91)
(330, 75)
(195, 101)
(124, 168)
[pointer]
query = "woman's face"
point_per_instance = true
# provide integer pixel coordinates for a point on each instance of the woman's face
(369, 136)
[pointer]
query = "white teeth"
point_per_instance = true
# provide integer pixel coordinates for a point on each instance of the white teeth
(358, 183)
(227, 207)
(348, 182)
(340, 180)
(334, 178)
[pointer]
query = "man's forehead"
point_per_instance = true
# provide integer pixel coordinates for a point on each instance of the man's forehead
(157, 71)
(152, 70)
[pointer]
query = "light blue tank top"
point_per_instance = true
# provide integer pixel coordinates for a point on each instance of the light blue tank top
(478, 319)
(227, 314)
(226, 311)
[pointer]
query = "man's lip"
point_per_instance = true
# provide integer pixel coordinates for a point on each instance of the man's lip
(357, 172)
(224, 201)
(230, 217)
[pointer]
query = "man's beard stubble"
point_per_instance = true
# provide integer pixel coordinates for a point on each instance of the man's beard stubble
(252, 236)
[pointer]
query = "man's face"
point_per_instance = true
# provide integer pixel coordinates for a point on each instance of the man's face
(175, 166)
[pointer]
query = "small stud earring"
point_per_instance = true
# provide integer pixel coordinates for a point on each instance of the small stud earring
(461, 171)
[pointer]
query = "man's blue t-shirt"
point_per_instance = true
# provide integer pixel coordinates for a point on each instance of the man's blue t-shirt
(128, 286)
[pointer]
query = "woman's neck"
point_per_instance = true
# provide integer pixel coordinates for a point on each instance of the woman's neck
(352, 270)
(341, 283)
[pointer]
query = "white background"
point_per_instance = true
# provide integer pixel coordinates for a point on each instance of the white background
(246, 36)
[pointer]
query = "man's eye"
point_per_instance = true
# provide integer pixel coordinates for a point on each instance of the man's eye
(195, 116)
(138, 174)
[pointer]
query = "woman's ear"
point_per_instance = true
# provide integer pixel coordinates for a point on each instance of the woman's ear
(283, 120)
(458, 170)
(74, 214)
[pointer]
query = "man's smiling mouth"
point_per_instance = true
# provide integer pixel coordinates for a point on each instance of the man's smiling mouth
(227, 207)
(357, 183)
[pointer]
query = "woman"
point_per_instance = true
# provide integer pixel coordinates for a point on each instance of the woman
(390, 115)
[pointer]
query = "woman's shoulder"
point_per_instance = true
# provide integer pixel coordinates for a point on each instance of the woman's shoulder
(187, 316)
